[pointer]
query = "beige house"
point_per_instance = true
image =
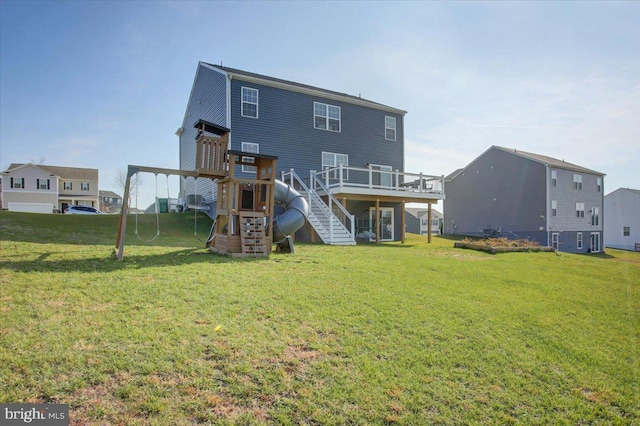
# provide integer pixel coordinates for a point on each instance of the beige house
(46, 189)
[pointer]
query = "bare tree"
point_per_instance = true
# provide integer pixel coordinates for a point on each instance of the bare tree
(120, 182)
(40, 161)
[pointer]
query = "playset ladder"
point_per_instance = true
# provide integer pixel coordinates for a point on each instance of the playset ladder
(252, 233)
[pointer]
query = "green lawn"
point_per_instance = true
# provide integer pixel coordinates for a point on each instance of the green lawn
(407, 334)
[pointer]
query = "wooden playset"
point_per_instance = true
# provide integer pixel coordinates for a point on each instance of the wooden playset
(245, 206)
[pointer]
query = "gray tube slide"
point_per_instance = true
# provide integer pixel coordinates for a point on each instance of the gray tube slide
(295, 215)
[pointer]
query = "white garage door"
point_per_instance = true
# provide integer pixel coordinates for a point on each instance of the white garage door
(31, 207)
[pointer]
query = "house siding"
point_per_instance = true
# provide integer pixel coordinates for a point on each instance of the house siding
(208, 102)
(623, 209)
(513, 193)
(567, 197)
(285, 128)
(55, 195)
(498, 191)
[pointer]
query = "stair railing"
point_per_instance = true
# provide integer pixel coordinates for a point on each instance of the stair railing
(314, 199)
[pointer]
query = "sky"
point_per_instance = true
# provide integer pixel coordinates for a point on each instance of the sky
(104, 84)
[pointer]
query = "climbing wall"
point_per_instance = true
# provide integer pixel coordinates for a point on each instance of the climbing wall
(252, 234)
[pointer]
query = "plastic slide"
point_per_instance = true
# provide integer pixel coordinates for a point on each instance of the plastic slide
(293, 218)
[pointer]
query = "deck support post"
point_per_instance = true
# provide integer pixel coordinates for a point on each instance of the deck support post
(429, 223)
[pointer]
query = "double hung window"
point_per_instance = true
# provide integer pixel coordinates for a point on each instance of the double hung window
(390, 128)
(253, 148)
(577, 182)
(17, 183)
(326, 117)
(43, 183)
(249, 102)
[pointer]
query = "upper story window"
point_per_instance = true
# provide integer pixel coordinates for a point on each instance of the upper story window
(253, 148)
(17, 183)
(577, 182)
(595, 216)
(249, 102)
(84, 186)
(68, 186)
(554, 208)
(599, 184)
(554, 178)
(43, 184)
(579, 209)
(326, 117)
(390, 128)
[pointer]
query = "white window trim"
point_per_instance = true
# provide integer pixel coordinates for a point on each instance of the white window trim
(595, 216)
(554, 178)
(326, 117)
(579, 241)
(595, 243)
(579, 210)
(554, 207)
(577, 182)
(394, 128)
(248, 147)
(555, 240)
(372, 220)
(335, 155)
(242, 102)
(14, 183)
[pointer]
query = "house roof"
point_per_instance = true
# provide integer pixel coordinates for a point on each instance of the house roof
(419, 212)
(109, 194)
(75, 173)
(292, 85)
(550, 161)
(633, 191)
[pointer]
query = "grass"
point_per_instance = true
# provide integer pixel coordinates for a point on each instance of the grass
(391, 334)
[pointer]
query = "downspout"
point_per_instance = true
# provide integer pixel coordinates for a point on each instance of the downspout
(546, 199)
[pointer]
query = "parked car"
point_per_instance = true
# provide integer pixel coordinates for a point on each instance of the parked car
(81, 210)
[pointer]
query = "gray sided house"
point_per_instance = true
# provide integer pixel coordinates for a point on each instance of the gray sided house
(515, 194)
(416, 221)
(344, 153)
(622, 221)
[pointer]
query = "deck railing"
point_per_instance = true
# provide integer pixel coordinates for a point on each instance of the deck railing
(372, 178)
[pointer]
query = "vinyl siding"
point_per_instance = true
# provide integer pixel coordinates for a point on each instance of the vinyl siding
(285, 128)
(498, 191)
(567, 197)
(208, 102)
(623, 209)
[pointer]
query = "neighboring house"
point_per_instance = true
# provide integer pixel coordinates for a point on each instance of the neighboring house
(347, 153)
(46, 189)
(110, 202)
(622, 221)
(515, 194)
(417, 221)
